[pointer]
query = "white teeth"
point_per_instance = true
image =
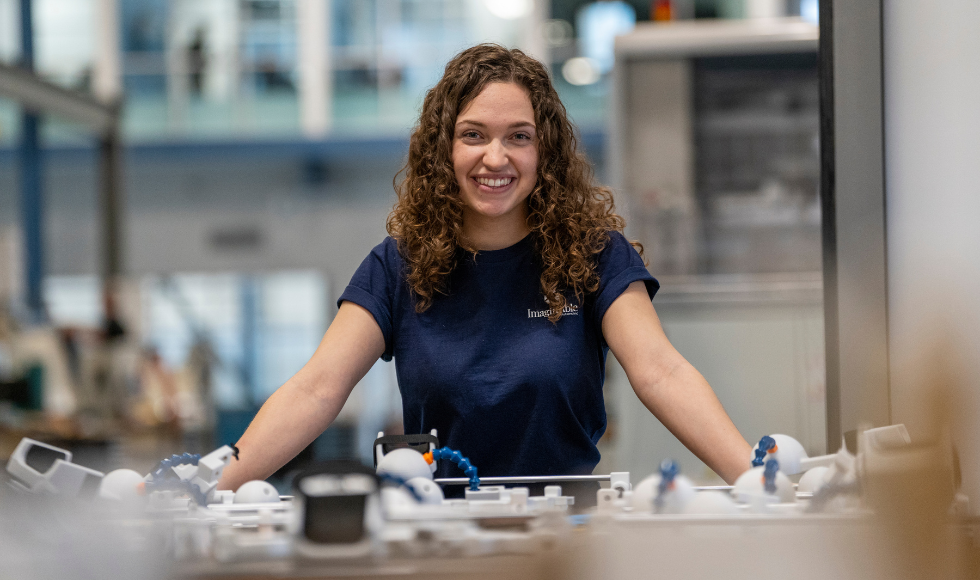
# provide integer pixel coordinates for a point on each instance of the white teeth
(494, 182)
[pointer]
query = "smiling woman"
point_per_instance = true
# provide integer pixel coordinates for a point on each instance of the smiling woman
(504, 283)
(483, 88)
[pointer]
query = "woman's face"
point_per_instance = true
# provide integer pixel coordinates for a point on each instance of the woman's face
(495, 157)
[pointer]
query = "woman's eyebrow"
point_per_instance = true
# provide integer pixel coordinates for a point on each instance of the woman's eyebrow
(483, 125)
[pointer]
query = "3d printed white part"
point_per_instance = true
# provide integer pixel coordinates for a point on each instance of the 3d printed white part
(674, 498)
(74, 480)
(40, 467)
(32, 460)
(404, 464)
(210, 466)
(257, 491)
(397, 500)
(789, 453)
(426, 490)
(750, 487)
(379, 453)
(883, 438)
(711, 502)
(209, 469)
(813, 480)
(121, 485)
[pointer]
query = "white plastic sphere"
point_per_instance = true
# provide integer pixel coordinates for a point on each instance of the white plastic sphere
(257, 491)
(789, 452)
(751, 485)
(397, 498)
(121, 485)
(813, 479)
(405, 464)
(674, 499)
(427, 490)
(711, 503)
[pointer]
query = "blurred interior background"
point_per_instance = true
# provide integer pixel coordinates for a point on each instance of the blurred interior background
(163, 274)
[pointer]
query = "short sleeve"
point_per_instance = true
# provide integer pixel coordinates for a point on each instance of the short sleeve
(373, 288)
(618, 266)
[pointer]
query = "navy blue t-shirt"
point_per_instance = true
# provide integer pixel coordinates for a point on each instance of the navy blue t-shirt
(512, 391)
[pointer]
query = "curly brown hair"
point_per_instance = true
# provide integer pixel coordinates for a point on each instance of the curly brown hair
(569, 215)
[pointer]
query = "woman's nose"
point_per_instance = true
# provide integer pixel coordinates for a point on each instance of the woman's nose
(495, 155)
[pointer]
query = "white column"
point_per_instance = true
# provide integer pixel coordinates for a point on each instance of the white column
(932, 144)
(533, 42)
(107, 65)
(315, 80)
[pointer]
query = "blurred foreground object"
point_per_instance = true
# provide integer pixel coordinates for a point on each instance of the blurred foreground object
(42, 468)
(889, 510)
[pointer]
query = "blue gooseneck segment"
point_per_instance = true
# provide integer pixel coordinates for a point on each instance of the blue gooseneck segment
(765, 444)
(769, 475)
(463, 463)
(162, 479)
(174, 461)
(668, 471)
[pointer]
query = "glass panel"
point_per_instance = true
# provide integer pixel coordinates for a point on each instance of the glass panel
(10, 116)
(9, 31)
(387, 53)
(64, 41)
(267, 84)
(74, 300)
(144, 67)
(292, 322)
(757, 163)
(182, 310)
(261, 329)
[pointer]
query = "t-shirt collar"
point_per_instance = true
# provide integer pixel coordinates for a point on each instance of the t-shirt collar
(518, 249)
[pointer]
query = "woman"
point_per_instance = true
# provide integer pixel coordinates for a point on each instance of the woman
(504, 282)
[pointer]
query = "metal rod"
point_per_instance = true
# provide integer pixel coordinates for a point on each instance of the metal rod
(555, 478)
(31, 193)
(522, 479)
(725, 487)
(32, 215)
(110, 205)
(26, 35)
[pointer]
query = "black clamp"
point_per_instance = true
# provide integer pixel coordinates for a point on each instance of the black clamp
(421, 442)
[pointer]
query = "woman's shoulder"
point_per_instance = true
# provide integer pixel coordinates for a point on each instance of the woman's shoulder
(617, 238)
(615, 245)
(384, 256)
(619, 264)
(387, 249)
(617, 254)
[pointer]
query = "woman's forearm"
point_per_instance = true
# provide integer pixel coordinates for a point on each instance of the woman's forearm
(309, 402)
(288, 421)
(684, 402)
(672, 389)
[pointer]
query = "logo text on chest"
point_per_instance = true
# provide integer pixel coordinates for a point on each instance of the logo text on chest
(568, 310)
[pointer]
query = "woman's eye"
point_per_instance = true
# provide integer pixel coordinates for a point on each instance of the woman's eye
(522, 137)
(470, 135)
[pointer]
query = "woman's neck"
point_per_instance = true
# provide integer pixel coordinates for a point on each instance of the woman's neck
(489, 235)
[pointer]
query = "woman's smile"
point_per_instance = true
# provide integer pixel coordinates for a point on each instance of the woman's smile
(494, 184)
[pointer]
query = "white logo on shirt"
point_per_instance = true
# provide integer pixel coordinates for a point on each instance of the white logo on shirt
(568, 310)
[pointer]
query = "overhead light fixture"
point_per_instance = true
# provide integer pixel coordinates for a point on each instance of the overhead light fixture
(509, 9)
(558, 33)
(580, 71)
